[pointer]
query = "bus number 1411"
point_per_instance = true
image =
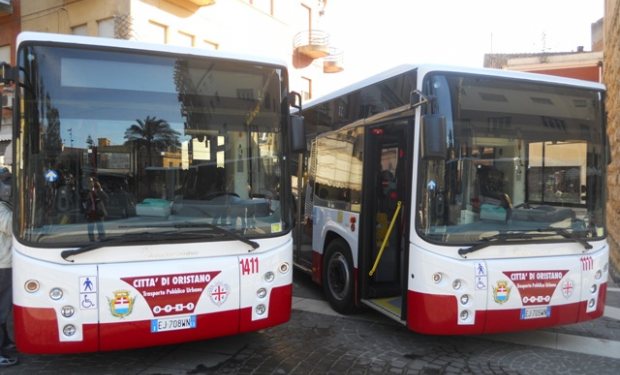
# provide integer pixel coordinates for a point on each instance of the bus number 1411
(249, 266)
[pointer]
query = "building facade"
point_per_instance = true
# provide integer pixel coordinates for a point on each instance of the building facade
(10, 26)
(579, 64)
(610, 78)
(284, 29)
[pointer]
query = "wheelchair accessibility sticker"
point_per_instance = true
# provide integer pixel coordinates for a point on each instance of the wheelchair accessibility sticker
(88, 292)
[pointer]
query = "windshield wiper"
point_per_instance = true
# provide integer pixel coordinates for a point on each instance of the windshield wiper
(190, 225)
(122, 239)
(566, 234)
(150, 236)
(230, 234)
(505, 237)
(499, 239)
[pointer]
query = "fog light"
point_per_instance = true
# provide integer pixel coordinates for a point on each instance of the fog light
(437, 277)
(69, 330)
(269, 276)
(593, 289)
(464, 299)
(591, 303)
(260, 309)
(31, 286)
(56, 294)
(606, 267)
(464, 315)
(261, 293)
(284, 267)
(598, 275)
(456, 284)
(67, 311)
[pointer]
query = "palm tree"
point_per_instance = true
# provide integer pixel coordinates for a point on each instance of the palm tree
(155, 135)
(152, 133)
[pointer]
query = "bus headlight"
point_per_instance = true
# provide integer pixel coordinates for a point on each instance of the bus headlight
(284, 267)
(67, 311)
(260, 309)
(56, 294)
(31, 286)
(593, 289)
(437, 277)
(456, 284)
(69, 330)
(464, 315)
(269, 276)
(464, 299)
(598, 275)
(591, 303)
(261, 293)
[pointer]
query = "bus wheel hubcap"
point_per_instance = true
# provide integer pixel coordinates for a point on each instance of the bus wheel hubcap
(338, 276)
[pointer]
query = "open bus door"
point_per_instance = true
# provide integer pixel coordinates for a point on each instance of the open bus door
(382, 243)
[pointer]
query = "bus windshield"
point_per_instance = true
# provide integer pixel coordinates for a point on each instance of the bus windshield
(114, 143)
(521, 157)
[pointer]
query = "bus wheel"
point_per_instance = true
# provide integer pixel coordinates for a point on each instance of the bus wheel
(338, 277)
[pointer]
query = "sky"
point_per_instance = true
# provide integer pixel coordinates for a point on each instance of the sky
(378, 34)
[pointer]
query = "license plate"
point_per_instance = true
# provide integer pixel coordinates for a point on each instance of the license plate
(173, 324)
(535, 312)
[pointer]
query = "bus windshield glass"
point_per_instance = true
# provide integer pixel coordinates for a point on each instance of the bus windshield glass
(521, 157)
(113, 143)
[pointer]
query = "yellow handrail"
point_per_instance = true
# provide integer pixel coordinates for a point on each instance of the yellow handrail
(385, 239)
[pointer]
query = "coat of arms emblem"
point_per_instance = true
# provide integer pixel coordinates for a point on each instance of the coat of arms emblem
(122, 303)
(501, 292)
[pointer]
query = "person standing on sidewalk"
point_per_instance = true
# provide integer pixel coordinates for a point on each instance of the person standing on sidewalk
(6, 274)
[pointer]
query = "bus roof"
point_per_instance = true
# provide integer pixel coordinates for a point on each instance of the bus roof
(29, 36)
(425, 69)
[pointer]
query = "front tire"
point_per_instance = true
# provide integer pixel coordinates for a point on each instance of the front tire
(338, 280)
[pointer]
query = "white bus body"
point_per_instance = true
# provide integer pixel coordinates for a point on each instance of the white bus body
(458, 201)
(150, 204)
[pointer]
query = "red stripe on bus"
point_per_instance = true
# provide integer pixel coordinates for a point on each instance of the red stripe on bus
(36, 329)
(438, 315)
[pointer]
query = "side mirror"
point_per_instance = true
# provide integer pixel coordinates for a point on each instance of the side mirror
(297, 134)
(8, 73)
(294, 100)
(417, 98)
(433, 137)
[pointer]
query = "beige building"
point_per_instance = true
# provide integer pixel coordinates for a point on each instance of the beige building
(285, 29)
(610, 78)
(580, 64)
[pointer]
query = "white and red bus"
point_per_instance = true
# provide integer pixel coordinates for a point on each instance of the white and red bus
(149, 194)
(457, 201)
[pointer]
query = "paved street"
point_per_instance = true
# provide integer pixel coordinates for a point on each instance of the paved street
(319, 341)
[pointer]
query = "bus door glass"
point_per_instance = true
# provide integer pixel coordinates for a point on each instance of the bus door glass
(384, 187)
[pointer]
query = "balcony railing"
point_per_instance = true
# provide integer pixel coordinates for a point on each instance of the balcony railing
(201, 3)
(192, 5)
(312, 43)
(333, 63)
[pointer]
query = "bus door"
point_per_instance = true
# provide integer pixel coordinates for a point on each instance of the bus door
(303, 201)
(382, 248)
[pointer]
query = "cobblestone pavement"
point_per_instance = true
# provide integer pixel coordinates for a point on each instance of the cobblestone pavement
(313, 343)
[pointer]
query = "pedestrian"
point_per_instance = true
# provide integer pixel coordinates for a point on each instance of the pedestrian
(6, 292)
(96, 209)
